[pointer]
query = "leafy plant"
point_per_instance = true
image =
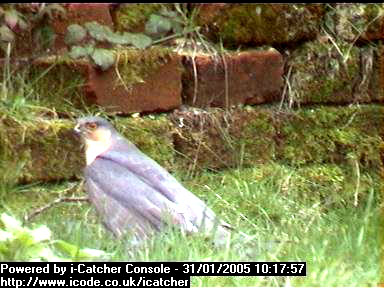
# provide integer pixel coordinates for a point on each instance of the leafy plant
(93, 32)
(83, 39)
(163, 22)
(103, 57)
(21, 243)
(12, 22)
(180, 22)
(75, 34)
(48, 10)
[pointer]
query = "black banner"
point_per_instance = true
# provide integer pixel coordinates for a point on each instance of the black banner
(134, 274)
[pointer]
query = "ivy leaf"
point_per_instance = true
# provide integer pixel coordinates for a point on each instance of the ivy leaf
(103, 58)
(75, 34)
(157, 25)
(97, 31)
(80, 51)
(11, 17)
(21, 243)
(168, 13)
(122, 39)
(104, 33)
(6, 34)
(49, 9)
(141, 41)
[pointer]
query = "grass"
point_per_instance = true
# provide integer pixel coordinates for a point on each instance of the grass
(338, 240)
(305, 213)
(293, 214)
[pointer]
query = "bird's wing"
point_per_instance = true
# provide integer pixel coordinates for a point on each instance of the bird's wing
(134, 200)
(161, 180)
(115, 216)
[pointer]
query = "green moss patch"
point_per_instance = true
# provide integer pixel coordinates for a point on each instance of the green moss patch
(262, 24)
(325, 72)
(220, 139)
(312, 135)
(47, 150)
(40, 150)
(59, 83)
(132, 17)
(333, 135)
(135, 65)
(352, 22)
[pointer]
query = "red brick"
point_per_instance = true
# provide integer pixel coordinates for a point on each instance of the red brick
(28, 44)
(208, 12)
(253, 77)
(260, 24)
(151, 81)
(214, 139)
(159, 91)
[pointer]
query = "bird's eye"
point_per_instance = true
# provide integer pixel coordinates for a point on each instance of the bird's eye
(91, 125)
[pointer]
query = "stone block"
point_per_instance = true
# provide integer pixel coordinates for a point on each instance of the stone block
(39, 150)
(250, 77)
(219, 139)
(142, 81)
(337, 135)
(332, 73)
(356, 22)
(48, 150)
(260, 24)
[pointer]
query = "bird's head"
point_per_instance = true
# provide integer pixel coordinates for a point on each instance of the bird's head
(96, 133)
(94, 128)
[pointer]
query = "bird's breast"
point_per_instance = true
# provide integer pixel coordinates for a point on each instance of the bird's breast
(95, 148)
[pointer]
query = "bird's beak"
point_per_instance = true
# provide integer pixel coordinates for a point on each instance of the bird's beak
(77, 129)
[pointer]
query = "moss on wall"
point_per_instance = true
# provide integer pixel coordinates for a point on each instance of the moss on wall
(41, 150)
(47, 150)
(134, 65)
(332, 135)
(261, 24)
(132, 17)
(220, 139)
(323, 72)
(355, 22)
(312, 135)
(59, 83)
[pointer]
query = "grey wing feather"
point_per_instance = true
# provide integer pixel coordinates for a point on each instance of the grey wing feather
(149, 171)
(135, 200)
(115, 216)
